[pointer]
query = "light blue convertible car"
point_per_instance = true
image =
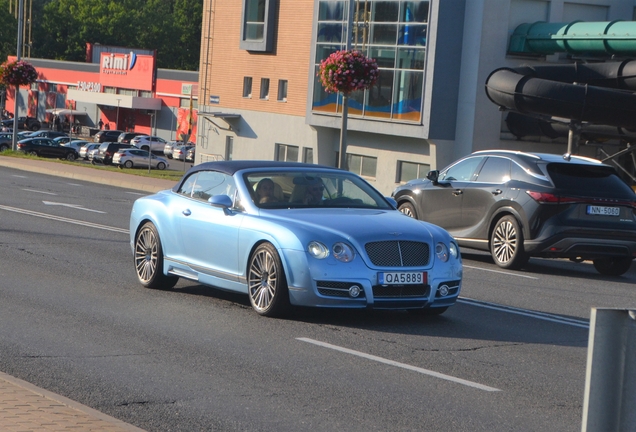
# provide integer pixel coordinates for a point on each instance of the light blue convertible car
(291, 234)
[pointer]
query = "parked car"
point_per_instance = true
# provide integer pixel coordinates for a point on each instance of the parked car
(152, 143)
(46, 147)
(125, 137)
(107, 136)
(25, 123)
(76, 144)
(169, 147)
(6, 141)
(520, 205)
(92, 153)
(61, 140)
(349, 249)
(179, 152)
(134, 157)
(190, 154)
(107, 150)
(46, 134)
(83, 152)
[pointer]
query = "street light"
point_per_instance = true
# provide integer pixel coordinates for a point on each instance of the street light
(117, 121)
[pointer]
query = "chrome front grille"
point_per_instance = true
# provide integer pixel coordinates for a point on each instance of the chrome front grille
(398, 253)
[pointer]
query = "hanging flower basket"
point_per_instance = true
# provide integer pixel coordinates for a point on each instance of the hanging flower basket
(346, 71)
(18, 73)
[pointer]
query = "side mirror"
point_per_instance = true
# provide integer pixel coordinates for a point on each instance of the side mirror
(433, 176)
(222, 201)
(392, 201)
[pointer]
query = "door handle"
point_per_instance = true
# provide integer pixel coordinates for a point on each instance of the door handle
(457, 192)
(186, 212)
(497, 192)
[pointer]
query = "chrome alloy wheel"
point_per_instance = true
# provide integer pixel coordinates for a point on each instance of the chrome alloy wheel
(263, 280)
(504, 241)
(146, 254)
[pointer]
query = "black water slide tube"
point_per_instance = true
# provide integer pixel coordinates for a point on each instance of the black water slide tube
(596, 93)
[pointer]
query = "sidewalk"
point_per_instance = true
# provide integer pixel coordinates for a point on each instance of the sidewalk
(25, 407)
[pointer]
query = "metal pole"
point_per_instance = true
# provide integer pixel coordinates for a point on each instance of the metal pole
(17, 88)
(117, 121)
(342, 163)
(610, 378)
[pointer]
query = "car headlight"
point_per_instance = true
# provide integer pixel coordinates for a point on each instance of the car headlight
(441, 250)
(343, 252)
(454, 250)
(317, 250)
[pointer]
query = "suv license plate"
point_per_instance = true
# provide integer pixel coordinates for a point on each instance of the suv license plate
(402, 278)
(603, 211)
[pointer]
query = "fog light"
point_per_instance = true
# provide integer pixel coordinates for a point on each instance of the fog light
(354, 291)
(443, 290)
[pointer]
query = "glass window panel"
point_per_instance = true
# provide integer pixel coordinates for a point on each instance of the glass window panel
(323, 101)
(308, 156)
(408, 95)
(264, 88)
(255, 11)
(247, 86)
(356, 102)
(369, 166)
(412, 34)
(323, 51)
(292, 154)
(254, 32)
(331, 11)
(354, 162)
(282, 90)
(383, 34)
(384, 56)
(380, 96)
(408, 171)
(329, 32)
(384, 11)
(417, 9)
(411, 58)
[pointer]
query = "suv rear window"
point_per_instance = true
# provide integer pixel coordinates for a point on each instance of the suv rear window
(588, 180)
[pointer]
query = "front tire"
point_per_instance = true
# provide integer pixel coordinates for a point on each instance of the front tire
(149, 259)
(161, 166)
(613, 266)
(267, 285)
(408, 209)
(506, 244)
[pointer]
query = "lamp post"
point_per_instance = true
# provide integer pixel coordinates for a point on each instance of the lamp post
(117, 121)
(17, 87)
(342, 162)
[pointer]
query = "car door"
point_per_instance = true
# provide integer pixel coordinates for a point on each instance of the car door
(442, 201)
(44, 146)
(482, 195)
(210, 234)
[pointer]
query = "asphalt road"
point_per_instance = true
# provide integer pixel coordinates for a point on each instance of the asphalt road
(511, 355)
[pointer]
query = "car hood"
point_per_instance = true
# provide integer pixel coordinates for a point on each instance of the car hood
(355, 225)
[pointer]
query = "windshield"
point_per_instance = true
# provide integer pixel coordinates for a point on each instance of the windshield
(311, 189)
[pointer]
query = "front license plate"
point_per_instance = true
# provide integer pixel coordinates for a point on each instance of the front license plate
(402, 278)
(603, 211)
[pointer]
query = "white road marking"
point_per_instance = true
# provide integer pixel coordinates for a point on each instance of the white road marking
(19, 176)
(74, 184)
(576, 322)
(75, 206)
(63, 219)
(38, 191)
(400, 365)
(501, 272)
(137, 193)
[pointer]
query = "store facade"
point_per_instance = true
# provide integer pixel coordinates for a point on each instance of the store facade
(121, 90)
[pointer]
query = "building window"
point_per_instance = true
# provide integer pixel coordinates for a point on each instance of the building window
(265, 88)
(185, 103)
(308, 155)
(259, 22)
(410, 170)
(392, 32)
(365, 166)
(229, 147)
(286, 153)
(247, 87)
(110, 90)
(282, 90)
(145, 93)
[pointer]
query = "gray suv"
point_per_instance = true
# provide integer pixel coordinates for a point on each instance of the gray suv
(519, 205)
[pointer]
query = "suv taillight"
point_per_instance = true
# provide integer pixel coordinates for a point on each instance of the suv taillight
(548, 198)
